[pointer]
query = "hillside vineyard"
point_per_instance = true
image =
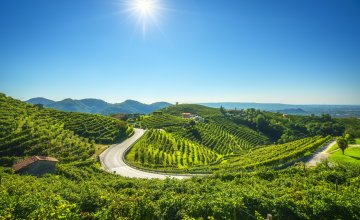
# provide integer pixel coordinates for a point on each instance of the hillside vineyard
(246, 164)
(29, 130)
(225, 140)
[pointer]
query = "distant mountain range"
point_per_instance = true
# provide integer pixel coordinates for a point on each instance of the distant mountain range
(333, 110)
(98, 106)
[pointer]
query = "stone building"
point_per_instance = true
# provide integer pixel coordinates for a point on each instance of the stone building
(36, 166)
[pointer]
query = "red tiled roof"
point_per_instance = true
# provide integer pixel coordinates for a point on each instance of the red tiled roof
(31, 160)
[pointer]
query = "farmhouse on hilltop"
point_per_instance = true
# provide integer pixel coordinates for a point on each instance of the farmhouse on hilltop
(36, 166)
(186, 115)
(196, 118)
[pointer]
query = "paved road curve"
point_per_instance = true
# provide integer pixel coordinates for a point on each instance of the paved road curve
(112, 160)
(319, 155)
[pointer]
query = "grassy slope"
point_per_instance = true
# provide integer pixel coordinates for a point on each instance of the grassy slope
(357, 141)
(335, 147)
(352, 156)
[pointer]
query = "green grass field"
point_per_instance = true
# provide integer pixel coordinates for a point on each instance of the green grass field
(357, 141)
(335, 147)
(352, 156)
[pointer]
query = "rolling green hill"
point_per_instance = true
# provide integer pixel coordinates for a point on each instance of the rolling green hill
(81, 190)
(240, 138)
(275, 126)
(40, 100)
(160, 150)
(103, 130)
(204, 111)
(216, 133)
(222, 139)
(162, 121)
(29, 130)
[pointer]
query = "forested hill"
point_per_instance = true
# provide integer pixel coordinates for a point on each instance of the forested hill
(28, 130)
(98, 106)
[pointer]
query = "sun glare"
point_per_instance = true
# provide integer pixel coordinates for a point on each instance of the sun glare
(146, 12)
(145, 7)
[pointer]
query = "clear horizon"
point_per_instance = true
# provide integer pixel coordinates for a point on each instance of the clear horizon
(201, 102)
(298, 52)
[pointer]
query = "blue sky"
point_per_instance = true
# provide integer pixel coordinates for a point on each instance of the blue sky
(298, 51)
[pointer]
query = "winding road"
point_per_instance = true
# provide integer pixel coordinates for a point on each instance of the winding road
(112, 160)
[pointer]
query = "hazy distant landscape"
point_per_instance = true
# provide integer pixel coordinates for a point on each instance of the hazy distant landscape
(97, 106)
(131, 106)
(333, 110)
(184, 110)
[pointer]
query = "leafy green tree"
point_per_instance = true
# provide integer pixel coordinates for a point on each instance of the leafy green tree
(342, 143)
(349, 138)
(261, 122)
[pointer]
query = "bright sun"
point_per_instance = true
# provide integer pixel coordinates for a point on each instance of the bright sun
(146, 11)
(145, 7)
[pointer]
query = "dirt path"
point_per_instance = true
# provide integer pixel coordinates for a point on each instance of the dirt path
(320, 155)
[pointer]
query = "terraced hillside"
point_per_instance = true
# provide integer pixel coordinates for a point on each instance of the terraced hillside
(101, 129)
(236, 144)
(159, 149)
(282, 128)
(217, 132)
(163, 151)
(276, 154)
(220, 138)
(161, 121)
(27, 130)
